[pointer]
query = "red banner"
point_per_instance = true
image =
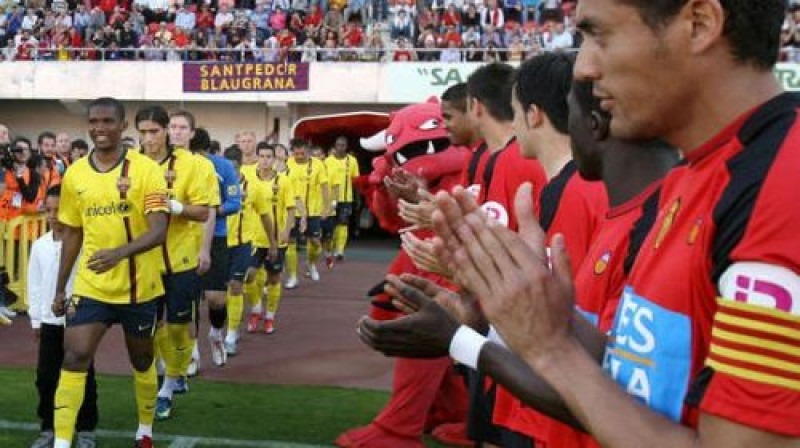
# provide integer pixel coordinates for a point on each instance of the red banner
(245, 77)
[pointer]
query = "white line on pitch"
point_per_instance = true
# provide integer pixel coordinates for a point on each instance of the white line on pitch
(178, 441)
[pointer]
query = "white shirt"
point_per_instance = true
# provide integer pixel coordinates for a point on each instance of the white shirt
(561, 41)
(42, 278)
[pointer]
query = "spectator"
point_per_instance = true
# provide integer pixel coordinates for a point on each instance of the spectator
(401, 26)
(185, 20)
(128, 38)
(333, 21)
(353, 35)
(471, 17)
(81, 20)
(63, 142)
(272, 52)
(278, 19)
(516, 50)
(374, 50)
(260, 17)
(452, 35)
(559, 38)
(402, 52)
(30, 21)
(309, 51)
(492, 16)
(491, 54)
(330, 52)
(117, 17)
(138, 23)
(205, 19)
(223, 20)
(356, 8)
(512, 10)
(5, 135)
(300, 6)
(14, 22)
(297, 26)
(156, 11)
(451, 18)
(10, 51)
(348, 54)
(75, 40)
(452, 53)
(314, 17)
(26, 50)
(97, 20)
(426, 19)
(63, 20)
(471, 35)
(429, 42)
(285, 5)
(492, 36)
(22, 181)
(78, 148)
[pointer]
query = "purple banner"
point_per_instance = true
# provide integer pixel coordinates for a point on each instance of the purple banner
(245, 77)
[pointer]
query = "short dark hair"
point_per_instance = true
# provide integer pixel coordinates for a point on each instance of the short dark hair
(187, 115)
(44, 135)
(456, 95)
(201, 140)
(22, 139)
(298, 143)
(264, 146)
(156, 114)
(490, 85)
(233, 153)
(54, 191)
(79, 143)
(214, 147)
(107, 101)
(752, 27)
(544, 80)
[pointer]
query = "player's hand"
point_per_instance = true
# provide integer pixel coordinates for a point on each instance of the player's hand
(530, 304)
(59, 306)
(284, 237)
(421, 253)
(418, 214)
(404, 185)
(303, 225)
(463, 307)
(273, 253)
(104, 260)
(203, 262)
(425, 333)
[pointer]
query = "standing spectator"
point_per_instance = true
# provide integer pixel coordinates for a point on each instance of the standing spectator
(14, 22)
(492, 16)
(30, 21)
(278, 19)
(333, 21)
(471, 17)
(330, 52)
(401, 26)
(81, 20)
(185, 20)
(452, 17)
(223, 20)
(5, 135)
(22, 181)
(137, 20)
(356, 8)
(452, 53)
(260, 18)
(63, 146)
(300, 6)
(97, 20)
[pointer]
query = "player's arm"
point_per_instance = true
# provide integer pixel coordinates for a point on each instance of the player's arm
(156, 235)
(231, 194)
(269, 227)
(291, 210)
(191, 212)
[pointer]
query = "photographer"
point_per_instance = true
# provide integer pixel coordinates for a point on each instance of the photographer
(22, 178)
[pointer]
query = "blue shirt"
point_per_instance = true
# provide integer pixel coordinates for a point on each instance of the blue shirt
(231, 199)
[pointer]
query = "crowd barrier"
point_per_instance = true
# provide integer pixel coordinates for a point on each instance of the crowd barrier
(18, 236)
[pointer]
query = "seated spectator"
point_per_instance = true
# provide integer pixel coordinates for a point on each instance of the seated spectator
(30, 21)
(10, 51)
(205, 19)
(333, 21)
(185, 20)
(451, 34)
(107, 6)
(127, 39)
(44, 46)
(491, 54)
(329, 52)
(492, 36)
(452, 53)
(353, 35)
(14, 21)
(471, 18)
(75, 40)
(285, 5)
(117, 17)
(374, 50)
(163, 34)
(223, 19)
(278, 19)
(401, 26)
(338, 4)
(516, 49)
(138, 23)
(181, 39)
(272, 51)
(451, 18)
(314, 16)
(81, 19)
(309, 51)
(260, 18)
(63, 20)
(559, 38)
(26, 49)
(426, 19)
(286, 41)
(402, 52)
(97, 20)
(471, 35)
(512, 10)
(297, 26)
(429, 41)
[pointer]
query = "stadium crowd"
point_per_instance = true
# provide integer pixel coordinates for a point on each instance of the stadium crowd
(278, 30)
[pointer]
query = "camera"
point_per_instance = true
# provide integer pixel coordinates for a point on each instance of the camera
(6, 156)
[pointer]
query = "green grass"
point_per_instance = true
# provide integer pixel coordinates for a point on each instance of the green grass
(304, 414)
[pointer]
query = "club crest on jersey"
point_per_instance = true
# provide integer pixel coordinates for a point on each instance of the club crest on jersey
(124, 184)
(668, 221)
(602, 263)
(496, 211)
(232, 190)
(695, 232)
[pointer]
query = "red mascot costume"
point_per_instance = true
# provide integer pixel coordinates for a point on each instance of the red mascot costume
(426, 393)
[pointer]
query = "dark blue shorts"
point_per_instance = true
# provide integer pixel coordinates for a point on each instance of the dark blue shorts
(181, 292)
(343, 212)
(273, 266)
(313, 228)
(138, 319)
(241, 258)
(216, 279)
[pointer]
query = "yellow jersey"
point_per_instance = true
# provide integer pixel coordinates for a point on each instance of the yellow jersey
(307, 181)
(244, 225)
(341, 173)
(186, 183)
(111, 208)
(280, 198)
(207, 172)
(249, 171)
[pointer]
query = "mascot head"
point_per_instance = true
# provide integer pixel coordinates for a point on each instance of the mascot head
(416, 140)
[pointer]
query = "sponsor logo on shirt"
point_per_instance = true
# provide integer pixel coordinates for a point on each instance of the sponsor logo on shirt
(649, 353)
(496, 211)
(122, 208)
(761, 284)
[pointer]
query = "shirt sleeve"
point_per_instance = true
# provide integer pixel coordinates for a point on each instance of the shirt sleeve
(260, 203)
(155, 191)
(754, 354)
(69, 210)
(35, 286)
(199, 192)
(232, 194)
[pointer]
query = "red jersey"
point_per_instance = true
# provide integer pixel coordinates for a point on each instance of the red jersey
(574, 208)
(601, 277)
(710, 318)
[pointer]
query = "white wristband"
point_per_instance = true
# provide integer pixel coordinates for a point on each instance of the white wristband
(495, 337)
(465, 347)
(175, 207)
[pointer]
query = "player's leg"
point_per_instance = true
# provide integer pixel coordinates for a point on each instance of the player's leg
(274, 269)
(253, 289)
(216, 281)
(88, 415)
(291, 256)
(343, 212)
(87, 321)
(328, 226)
(240, 263)
(139, 324)
(314, 236)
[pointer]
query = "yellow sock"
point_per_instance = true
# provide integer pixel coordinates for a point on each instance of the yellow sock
(273, 299)
(146, 388)
(251, 294)
(235, 306)
(339, 238)
(69, 398)
(291, 259)
(314, 249)
(180, 349)
(162, 347)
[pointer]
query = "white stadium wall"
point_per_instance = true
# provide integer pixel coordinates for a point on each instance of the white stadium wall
(52, 95)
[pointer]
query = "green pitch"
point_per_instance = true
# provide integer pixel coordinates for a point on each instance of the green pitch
(212, 414)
